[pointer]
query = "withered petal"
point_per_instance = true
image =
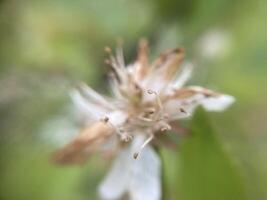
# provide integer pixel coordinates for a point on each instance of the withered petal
(187, 92)
(141, 64)
(87, 142)
(169, 62)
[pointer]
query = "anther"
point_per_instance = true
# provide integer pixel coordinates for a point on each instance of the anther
(126, 137)
(183, 110)
(107, 49)
(163, 129)
(150, 91)
(150, 111)
(166, 127)
(137, 87)
(157, 97)
(105, 119)
(135, 155)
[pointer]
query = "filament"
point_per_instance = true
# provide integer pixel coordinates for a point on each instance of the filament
(136, 154)
(157, 98)
(126, 137)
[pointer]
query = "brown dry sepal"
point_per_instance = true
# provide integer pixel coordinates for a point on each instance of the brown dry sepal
(171, 60)
(187, 92)
(81, 147)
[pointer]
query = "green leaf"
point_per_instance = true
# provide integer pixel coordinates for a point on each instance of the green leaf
(207, 172)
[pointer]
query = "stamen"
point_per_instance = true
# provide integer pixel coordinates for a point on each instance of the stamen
(119, 54)
(150, 91)
(182, 110)
(157, 97)
(108, 49)
(105, 119)
(120, 131)
(126, 137)
(117, 64)
(165, 127)
(150, 111)
(136, 154)
(112, 60)
(146, 119)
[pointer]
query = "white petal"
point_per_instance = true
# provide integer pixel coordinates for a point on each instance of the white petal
(85, 108)
(156, 86)
(218, 103)
(140, 178)
(94, 96)
(116, 182)
(153, 84)
(117, 117)
(145, 181)
(184, 76)
(114, 86)
(172, 107)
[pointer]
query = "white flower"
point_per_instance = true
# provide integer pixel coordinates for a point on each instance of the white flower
(147, 98)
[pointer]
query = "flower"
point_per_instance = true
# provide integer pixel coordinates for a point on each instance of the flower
(147, 99)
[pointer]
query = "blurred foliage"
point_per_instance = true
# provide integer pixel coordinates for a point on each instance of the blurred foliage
(46, 47)
(206, 169)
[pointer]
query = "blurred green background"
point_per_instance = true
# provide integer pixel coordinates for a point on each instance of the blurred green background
(46, 47)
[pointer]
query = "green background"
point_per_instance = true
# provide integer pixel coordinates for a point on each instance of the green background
(46, 47)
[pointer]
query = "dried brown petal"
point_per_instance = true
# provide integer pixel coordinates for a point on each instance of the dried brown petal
(88, 141)
(187, 92)
(142, 59)
(170, 62)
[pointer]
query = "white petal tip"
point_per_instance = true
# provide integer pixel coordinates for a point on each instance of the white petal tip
(116, 181)
(219, 103)
(105, 193)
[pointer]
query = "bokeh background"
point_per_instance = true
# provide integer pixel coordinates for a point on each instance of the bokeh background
(46, 47)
